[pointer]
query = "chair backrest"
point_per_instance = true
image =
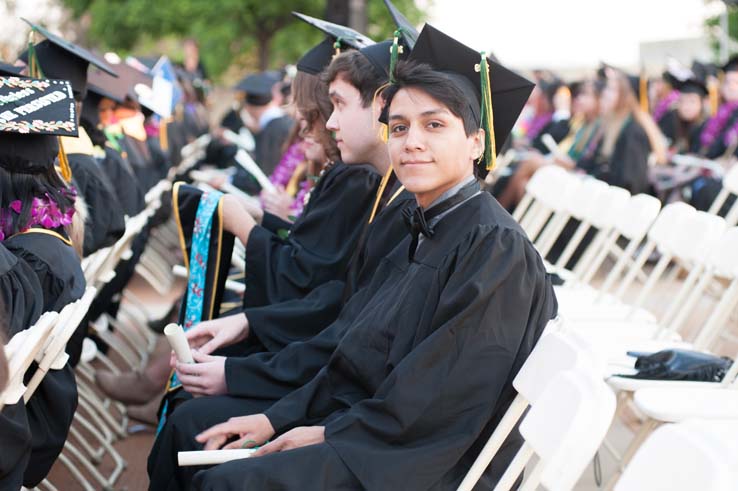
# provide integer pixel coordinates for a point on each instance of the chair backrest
(568, 186)
(564, 428)
(21, 351)
(545, 181)
(586, 196)
(684, 457)
(554, 353)
(609, 206)
(730, 180)
(671, 221)
(697, 236)
(723, 257)
(53, 355)
(638, 216)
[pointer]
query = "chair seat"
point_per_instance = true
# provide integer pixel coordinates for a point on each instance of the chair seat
(681, 403)
(632, 385)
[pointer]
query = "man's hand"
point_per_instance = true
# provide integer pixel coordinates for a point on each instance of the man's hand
(295, 438)
(251, 431)
(208, 336)
(205, 377)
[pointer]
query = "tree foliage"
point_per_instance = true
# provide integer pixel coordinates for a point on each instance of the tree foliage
(252, 33)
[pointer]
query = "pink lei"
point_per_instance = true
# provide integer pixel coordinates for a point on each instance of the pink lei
(45, 213)
(286, 167)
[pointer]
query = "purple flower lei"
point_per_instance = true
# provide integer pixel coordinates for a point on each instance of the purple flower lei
(716, 124)
(45, 213)
(282, 174)
(537, 124)
(663, 106)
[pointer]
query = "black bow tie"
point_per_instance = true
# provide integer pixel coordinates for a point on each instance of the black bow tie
(417, 219)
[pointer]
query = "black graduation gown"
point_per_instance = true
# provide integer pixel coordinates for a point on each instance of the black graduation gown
(21, 298)
(627, 167)
(558, 131)
(139, 156)
(717, 147)
(320, 242)
(402, 399)
(270, 143)
(51, 409)
(105, 222)
(127, 189)
(263, 378)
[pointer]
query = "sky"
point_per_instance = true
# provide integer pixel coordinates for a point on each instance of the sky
(568, 33)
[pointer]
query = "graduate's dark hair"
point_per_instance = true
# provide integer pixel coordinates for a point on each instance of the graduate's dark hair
(310, 95)
(357, 70)
(437, 85)
(24, 187)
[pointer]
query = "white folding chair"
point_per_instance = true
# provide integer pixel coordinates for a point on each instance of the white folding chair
(554, 353)
(564, 428)
(730, 186)
(21, 351)
(695, 455)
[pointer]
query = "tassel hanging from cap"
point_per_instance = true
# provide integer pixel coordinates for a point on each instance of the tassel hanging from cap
(337, 47)
(487, 117)
(643, 91)
(395, 52)
(713, 94)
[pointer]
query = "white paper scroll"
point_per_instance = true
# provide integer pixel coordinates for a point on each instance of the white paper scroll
(177, 340)
(212, 457)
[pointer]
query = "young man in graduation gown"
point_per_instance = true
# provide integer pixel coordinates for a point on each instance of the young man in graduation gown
(60, 59)
(403, 403)
(394, 301)
(37, 207)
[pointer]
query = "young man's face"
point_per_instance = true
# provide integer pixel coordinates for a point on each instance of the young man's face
(429, 149)
(355, 128)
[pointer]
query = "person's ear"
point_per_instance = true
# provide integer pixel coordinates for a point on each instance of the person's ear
(477, 149)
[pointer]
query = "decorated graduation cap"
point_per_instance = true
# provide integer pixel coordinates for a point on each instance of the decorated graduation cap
(258, 87)
(337, 38)
(59, 58)
(33, 112)
(131, 84)
(496, 94)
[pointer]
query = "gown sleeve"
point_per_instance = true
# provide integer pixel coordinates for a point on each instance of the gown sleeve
(436, 401)
(629, 162)
(320, 243)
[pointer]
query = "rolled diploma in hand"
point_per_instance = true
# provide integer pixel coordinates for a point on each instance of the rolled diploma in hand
(212, 457)
(177, 340)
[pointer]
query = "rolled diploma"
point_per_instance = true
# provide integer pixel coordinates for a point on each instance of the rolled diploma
(245, 161)
(177, 340)
(212, 457)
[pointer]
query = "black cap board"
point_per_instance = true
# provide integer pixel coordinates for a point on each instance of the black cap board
(258, 87)
(9, 70)
(32, 113)
(346, 36)
(409, 33)
(692, 86)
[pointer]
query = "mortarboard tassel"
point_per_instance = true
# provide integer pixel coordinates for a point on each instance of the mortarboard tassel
(380, 193)
(395, 51)
(714, 96)
(163, 137)
(643, 89)
(34, 70)
(337, 47)
(490, 148)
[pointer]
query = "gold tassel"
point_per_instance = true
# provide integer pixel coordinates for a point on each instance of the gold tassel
(713, 95)
(163, 139)
(380, 192)
(643, 89)
(487, 119)
(66, 171)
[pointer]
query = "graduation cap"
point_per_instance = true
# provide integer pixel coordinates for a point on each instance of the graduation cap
(692, 86)
(496, 94)
(130, 85)
(702, 71)
(731, 65)
(338, 37)
(384, 55)
(7, 70)
(258, 87)
(33, 112)
(59, 58)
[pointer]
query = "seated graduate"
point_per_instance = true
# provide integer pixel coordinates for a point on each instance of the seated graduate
(619, 153)
(465, 289)
(37, 208)
(58, 58)
(20, 307)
